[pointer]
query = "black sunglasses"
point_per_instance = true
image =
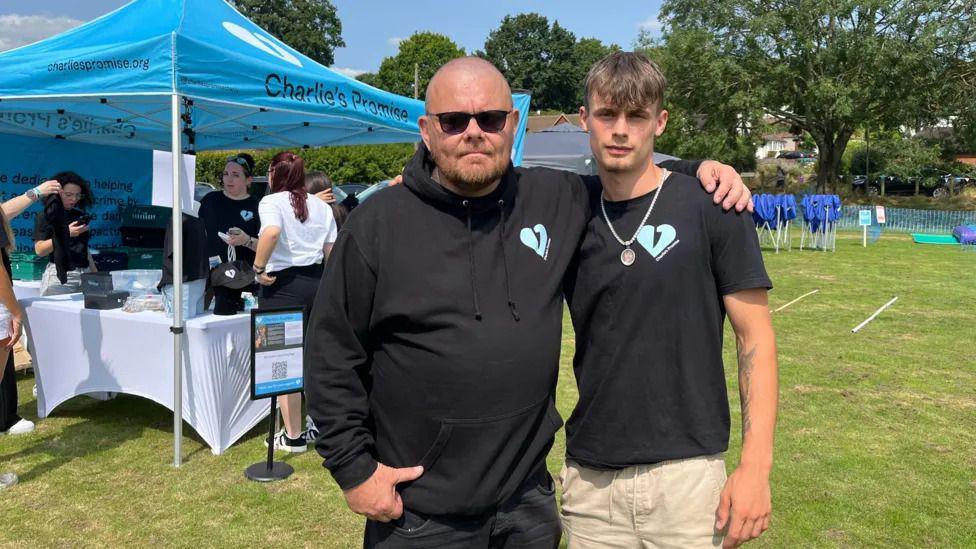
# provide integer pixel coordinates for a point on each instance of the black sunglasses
(242, 162)
(454, 123)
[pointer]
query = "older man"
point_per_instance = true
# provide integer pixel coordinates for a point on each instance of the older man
(435, 337)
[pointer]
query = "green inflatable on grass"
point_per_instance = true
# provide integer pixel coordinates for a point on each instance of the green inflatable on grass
(934, 238)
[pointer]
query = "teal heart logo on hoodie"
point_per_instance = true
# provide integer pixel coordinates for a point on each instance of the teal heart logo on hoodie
(537, 239)
(656, 239)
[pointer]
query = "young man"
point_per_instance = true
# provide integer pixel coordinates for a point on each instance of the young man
(435, 336)
(659, 267)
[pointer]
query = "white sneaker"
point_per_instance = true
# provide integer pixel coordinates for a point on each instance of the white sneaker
(7, 480)
(311, 431)
(285, 443)
(34, 390)
(21, 427)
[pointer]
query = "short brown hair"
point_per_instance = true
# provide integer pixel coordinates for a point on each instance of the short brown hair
(627, 80)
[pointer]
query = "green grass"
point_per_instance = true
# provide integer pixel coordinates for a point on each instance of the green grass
(876, 443)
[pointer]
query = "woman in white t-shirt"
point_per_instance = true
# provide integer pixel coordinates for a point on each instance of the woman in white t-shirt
(297, 233)
(11, 316)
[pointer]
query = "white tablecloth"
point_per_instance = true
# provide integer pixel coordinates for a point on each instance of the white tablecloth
(78, 351)
(24, 289)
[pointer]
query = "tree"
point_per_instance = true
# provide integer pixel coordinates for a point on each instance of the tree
(425, 50)
(310, 26)
(368, 78)
(586, 53)
(830, 68)
(709, 115)
(350, 164)
(537, 57)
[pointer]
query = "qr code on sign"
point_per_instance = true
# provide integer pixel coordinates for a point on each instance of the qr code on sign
(279, 370)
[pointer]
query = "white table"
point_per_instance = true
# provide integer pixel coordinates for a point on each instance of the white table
(24, 289)
(79, 351)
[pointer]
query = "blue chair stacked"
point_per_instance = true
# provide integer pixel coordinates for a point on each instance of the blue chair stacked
(772, 214)
(821, 213)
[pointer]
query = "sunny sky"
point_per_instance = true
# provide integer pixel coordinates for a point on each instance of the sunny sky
(372, 28)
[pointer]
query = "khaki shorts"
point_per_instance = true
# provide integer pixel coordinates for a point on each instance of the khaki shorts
(668, 504)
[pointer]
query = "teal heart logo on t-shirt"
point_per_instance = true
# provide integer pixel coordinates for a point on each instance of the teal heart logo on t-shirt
(247, 215)
(536, 238)
(656, 239)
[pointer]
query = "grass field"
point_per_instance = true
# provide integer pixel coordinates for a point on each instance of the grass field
(876, 443)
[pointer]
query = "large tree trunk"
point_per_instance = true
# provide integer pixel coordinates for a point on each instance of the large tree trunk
(832, 146)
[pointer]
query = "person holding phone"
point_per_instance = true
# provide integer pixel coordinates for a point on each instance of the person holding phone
(61, 232)
(231, 216)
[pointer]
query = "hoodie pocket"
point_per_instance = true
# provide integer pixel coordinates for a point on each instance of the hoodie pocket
(474, 463)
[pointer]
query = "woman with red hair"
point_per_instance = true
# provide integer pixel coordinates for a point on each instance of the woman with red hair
(297, 233)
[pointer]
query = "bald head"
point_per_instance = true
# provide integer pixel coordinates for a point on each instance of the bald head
(470, 160)
(465, 76)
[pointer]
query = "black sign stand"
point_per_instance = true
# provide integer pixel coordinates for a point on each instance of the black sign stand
(270, 470)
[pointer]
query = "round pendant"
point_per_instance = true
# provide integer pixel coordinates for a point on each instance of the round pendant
(627, 257)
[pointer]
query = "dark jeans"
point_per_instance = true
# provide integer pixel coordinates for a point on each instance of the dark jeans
(529, 520)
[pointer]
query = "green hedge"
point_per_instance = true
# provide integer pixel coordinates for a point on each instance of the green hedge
(350, 164)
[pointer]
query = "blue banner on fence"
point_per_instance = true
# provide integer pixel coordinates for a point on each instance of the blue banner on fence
(118, 176)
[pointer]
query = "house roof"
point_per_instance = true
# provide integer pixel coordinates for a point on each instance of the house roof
(541, 122)
(779, 136)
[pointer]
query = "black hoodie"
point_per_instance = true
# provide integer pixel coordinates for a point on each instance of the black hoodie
(435, 336)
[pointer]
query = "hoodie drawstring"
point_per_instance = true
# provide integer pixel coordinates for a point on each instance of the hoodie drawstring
(474, 280)
(508, 286)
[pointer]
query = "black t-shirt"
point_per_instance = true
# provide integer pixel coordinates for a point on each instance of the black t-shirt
(220, 213)
(196, 265)
(77, 245)
(649, 336)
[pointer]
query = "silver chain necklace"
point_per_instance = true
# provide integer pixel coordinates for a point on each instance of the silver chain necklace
(627, 257)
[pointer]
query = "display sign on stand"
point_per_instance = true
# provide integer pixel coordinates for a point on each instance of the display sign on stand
(277, 368)
(864, 220)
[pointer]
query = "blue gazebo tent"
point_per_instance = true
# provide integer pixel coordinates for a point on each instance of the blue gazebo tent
(192, 75)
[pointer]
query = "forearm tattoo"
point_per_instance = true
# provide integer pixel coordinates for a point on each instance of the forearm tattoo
(746, 363)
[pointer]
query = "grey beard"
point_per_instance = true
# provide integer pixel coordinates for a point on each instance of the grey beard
(472, 182)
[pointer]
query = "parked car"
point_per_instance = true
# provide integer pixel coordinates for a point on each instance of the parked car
(796, 155)
(353, 188)
(893, 185)
(201, 190)
(953, 182)
(932, 183)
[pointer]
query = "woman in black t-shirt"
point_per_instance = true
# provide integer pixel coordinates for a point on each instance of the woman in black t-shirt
(61, 233)
(231, 216)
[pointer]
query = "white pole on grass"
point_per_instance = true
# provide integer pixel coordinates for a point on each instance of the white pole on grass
(795, 300)
(826, 228)
(177, 328)
(876, 313)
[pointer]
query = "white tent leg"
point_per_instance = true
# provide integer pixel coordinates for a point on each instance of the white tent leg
(177, 329)
(779, 229)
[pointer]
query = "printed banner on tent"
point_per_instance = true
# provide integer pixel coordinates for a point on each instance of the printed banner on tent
(118, 176)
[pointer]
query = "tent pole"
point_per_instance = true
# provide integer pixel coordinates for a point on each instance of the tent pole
(177, 329)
